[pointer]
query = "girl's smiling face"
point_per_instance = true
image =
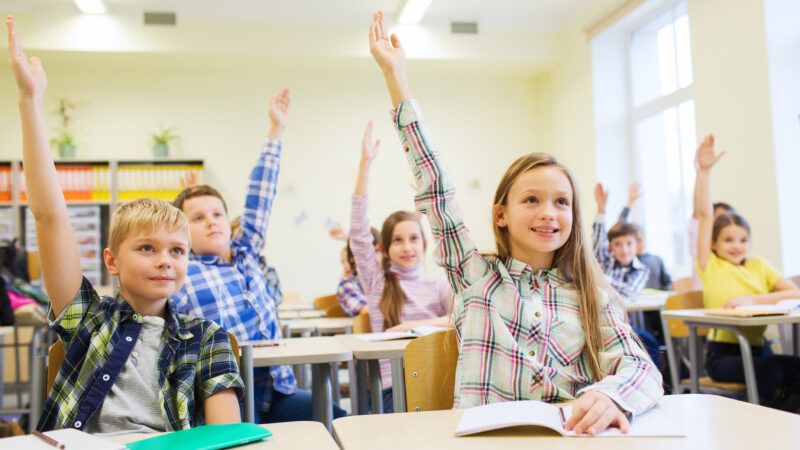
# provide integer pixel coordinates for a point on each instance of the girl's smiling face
(732, 243)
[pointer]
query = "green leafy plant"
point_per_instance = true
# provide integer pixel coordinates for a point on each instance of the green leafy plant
(63, 135)
(165, 136)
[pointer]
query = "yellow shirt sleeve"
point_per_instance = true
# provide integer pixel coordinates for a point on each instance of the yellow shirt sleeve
(770, 274)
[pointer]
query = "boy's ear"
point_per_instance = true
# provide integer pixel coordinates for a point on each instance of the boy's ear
(111, 261)
(499, 213)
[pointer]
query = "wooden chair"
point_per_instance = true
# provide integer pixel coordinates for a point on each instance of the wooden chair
(56, 355)
(679, 330)
(361, 323)
(430, 370)
(330, 304)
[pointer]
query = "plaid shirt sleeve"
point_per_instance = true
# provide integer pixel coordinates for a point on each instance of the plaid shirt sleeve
(600, 240)
(634, 285)
(454, 250)
(632, 380)
(350, 296)
(258, 202)
(368, 263)
(216, 365)
(86, 304)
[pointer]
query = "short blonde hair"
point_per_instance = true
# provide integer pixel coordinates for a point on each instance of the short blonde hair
(145, 215)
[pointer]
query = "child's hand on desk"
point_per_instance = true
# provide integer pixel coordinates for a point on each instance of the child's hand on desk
(29, 73)
(278, 113)
(594, 412)
(741, 301)
(406, 326)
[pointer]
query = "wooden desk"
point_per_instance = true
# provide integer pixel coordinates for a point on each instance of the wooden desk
(5, 331)
(697, 318)
(287, 435)
(318, 351)
(709, 422)
(333, 325)
(366, 352)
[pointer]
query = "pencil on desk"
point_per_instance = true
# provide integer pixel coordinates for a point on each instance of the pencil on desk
(49, 440)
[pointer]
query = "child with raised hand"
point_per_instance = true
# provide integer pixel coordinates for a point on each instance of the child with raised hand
(226, 283)
(399, 297)
(732, 278)
(349, 291)
(535, 321)
(133, 364)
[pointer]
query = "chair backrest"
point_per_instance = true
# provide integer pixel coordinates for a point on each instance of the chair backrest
(361, 323)
(430, 369)
(56, 356)
(687, 300)
(330, 304)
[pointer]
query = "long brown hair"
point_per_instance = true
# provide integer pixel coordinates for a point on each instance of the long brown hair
(573, 260)
(391, 303)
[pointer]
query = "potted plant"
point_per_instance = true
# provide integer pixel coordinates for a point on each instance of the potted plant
(64, 142)
(161, 141)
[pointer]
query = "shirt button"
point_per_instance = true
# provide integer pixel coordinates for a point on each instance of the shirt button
(538, 314)
(531, 353)
(537, 378)
(78, 424)
(106, 377)
(135, 354)
(128, 338)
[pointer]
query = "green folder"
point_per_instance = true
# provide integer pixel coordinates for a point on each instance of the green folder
(206, 437)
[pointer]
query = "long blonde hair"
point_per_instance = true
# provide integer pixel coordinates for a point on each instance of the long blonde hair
(391, 303)
(573, 260)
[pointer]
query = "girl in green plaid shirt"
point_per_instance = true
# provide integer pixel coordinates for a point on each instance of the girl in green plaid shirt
(537, 320)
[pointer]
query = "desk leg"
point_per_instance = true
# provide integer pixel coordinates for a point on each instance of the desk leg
(694, 359)
(796, 339)
(376, 386)
(398, 385)
(321, 401)
(249, 383)
(38, 356)
(749, 370)
(358, 386)
(674, 363)
(337, 392)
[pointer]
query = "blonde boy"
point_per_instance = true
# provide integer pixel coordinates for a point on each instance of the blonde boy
(132, 364)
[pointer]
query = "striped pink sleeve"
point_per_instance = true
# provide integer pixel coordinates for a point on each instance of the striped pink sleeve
(368, 261)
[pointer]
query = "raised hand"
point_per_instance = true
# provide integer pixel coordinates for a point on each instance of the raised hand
(279, 113)
(338, 233)
(386, 50)
(633, 194)
(601, 196)
(29, 73)
(369, 149)
(189, 179)
(707, 156)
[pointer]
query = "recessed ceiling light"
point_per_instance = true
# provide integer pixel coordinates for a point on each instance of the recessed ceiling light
(91, 6)
(413, 11)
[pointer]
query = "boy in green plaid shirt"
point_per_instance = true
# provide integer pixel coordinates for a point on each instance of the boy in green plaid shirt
(133, 364)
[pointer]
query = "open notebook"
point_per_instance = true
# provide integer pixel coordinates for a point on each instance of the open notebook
(392, 335)
(653, 423)
(781, 308)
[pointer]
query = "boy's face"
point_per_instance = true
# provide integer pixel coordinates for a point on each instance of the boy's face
(624, 249)
(209, 225)
(150, 266)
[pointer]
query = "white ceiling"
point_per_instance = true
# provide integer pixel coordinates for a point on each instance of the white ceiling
(529, 15)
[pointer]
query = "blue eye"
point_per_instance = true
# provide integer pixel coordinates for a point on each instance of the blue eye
(146, 248)
(179, 251)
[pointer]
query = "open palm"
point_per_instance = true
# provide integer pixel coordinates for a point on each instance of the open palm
(279, 108)
(386, 49)
(29, 73)
(369, 149)
(707, 156)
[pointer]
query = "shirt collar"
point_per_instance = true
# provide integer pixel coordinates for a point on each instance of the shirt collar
(518, 269)
(173, 322)
(636, 264)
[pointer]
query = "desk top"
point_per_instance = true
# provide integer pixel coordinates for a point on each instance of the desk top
(303, 314)
(287, 435)
(366, 350)
(647, 304)
(6, 331)
(299, 326)
(332, 324)
(305, 350)
(699, 316)
(296, 307)
(710, 422)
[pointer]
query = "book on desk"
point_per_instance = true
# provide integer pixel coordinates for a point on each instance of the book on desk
(781, 308)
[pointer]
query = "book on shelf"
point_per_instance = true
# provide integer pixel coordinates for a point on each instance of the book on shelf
(494, 416)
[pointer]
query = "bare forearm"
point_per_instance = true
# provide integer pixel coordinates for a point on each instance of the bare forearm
(702, 195)
(397, 85)
(222, 407)
(362, 179)
(775, 297)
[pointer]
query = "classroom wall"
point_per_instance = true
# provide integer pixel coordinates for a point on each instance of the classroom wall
(480, 120)
(732, 100)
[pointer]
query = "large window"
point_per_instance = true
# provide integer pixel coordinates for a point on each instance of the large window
(663, 131)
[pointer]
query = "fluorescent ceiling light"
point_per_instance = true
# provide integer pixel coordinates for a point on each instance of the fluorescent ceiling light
(413, 11)
(91, 6)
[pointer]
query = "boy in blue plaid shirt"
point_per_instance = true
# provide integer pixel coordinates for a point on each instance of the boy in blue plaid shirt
(226, 282)
(132, 363)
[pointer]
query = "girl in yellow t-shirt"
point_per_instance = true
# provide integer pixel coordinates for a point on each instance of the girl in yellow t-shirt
(732, 278)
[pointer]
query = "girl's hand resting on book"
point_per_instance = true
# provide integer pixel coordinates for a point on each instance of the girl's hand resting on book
(594, 412)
